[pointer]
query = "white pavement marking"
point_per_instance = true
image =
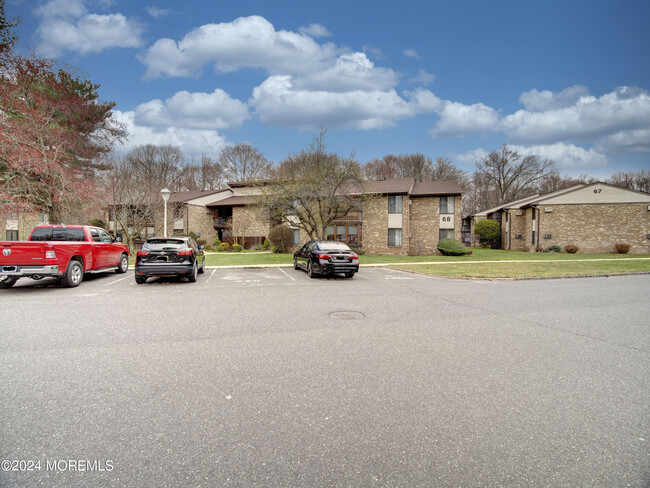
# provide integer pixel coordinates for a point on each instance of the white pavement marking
(211, 275)
(287, 274)
(358, 275)
(108, 284)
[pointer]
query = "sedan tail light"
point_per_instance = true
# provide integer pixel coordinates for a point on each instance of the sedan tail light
(142, 253)
(323, 256)
(354, 256)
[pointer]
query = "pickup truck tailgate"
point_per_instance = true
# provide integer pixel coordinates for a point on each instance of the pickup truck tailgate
(22, 253)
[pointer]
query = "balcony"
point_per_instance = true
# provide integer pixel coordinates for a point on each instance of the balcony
(219, 223)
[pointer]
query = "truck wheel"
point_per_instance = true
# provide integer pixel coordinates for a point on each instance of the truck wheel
(73, 275)
(123, 267)
(8, 281)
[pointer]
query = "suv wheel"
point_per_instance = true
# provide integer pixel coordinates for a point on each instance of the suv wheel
(140, 279)
(192, 277)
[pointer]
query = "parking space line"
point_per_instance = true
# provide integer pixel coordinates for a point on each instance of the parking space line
(126, 277)
(287, 274)
(359, 275)
(211, 275)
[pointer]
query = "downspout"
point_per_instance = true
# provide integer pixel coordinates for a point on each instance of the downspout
(536, 210)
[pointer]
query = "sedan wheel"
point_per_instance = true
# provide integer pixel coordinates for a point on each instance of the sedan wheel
(295, 263)
(310, 270)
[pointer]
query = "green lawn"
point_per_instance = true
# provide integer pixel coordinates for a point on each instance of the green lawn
(529, 269)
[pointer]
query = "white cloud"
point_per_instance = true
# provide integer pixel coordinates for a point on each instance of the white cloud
(315, 30)
(191, 141)
(66, 25)
(278, 102)
(352, 71)
(536, 101)
(590, 118)
(629, 141)
(423, 78)
(457, 119)
(157, 13)
(247, 42)
(470, 157)
(566, 156)
(214, 110)
(411, 53)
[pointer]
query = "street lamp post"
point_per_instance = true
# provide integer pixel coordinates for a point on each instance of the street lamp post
(165, 196)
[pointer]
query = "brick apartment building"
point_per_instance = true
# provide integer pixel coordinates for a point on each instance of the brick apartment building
(403, 217)
(593, 217)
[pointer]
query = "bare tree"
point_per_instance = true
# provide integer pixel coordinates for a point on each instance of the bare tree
(239, 228)
(554, 181)
(634, 180)
(244, 163)
(511, 176)
(311, 189)
(445, 170)
(417, 166)
(204, 174)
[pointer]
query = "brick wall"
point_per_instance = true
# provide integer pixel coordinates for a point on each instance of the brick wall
(254, 224)
(425, 224)
(375, 227)
(595, 228)
(519, 225)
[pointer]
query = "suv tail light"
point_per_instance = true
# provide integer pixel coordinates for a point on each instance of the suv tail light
(323, 256)
(188, 252)
(142, 253)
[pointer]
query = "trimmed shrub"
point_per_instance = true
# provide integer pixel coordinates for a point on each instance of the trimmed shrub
(451, 247)
(360, 252)
(281, 236)
(553, 249)
(571, 249)
(489, 233)
(621, 248)
(258, 247)
(202, 242)
(97, 223)
(193, 235)
(208, 247)
(470, 252)
(216, 242)
(222, 247)
(539, 249)
(266, 244)
(275, 249)
(237, 248)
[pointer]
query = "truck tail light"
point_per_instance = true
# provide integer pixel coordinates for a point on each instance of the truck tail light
(50, 254)
(142, 253)
(323, 256)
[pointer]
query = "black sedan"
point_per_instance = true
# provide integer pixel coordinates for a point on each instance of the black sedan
(325, 258)
(169, 256)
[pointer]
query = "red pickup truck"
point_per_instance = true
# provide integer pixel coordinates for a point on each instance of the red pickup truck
(61, 251)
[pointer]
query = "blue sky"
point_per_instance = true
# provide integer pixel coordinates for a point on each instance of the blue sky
(567, 80)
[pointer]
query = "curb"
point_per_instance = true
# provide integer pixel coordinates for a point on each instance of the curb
(604, 275)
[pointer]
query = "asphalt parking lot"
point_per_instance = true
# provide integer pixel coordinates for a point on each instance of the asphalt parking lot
(264, 377)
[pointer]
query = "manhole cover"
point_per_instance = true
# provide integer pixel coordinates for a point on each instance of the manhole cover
(346, 315)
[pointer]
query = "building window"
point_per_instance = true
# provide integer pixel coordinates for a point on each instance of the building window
(446, 233)
(395, 204)
(348, 233)
(446, 205)
(394, 237)
(296, 236)
(12, 235)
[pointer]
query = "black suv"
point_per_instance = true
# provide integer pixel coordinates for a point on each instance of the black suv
(169, 256)
(326, 257)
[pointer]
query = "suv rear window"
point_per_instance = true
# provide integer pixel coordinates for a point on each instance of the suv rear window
(158, 244)
(58, 234)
